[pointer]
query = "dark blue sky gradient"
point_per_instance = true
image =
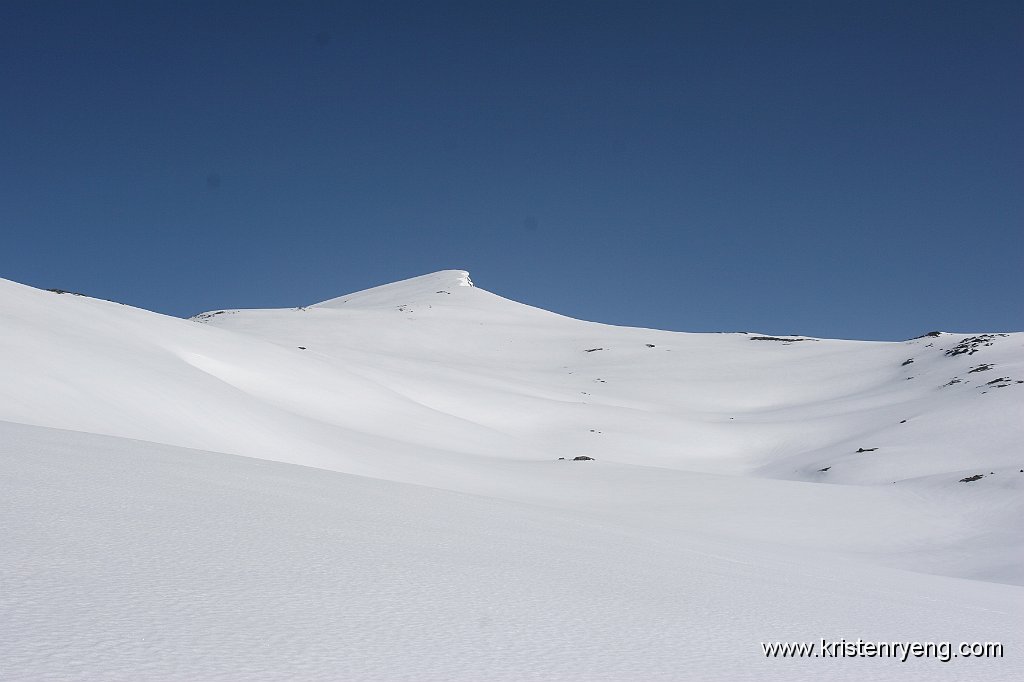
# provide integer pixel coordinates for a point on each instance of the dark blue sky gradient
(843, 169)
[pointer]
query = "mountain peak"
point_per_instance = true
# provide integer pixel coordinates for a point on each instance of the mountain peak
(404, 291)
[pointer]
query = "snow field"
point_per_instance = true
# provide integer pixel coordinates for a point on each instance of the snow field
(371, 488)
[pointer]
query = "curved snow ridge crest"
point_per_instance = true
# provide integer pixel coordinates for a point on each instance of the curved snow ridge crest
(402, 293)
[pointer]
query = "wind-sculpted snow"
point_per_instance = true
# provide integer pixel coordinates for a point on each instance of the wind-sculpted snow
(126, 560)
(741, 488)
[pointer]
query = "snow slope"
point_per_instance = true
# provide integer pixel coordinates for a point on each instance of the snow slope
(439, 536)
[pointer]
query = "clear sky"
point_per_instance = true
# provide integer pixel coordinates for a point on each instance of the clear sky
(842, 169)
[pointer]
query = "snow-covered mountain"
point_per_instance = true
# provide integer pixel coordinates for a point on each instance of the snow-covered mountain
(744, 488)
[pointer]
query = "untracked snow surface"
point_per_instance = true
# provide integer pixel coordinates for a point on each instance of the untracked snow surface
(373, 488)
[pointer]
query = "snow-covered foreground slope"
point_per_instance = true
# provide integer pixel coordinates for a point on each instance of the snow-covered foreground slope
(746, 489)
(126, 560)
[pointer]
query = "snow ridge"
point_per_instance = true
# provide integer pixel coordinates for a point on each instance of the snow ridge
(406, 291)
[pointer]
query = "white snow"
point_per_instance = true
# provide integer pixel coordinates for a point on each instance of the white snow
(370, 489)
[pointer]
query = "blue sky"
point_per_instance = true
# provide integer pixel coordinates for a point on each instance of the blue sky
(841, 169)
